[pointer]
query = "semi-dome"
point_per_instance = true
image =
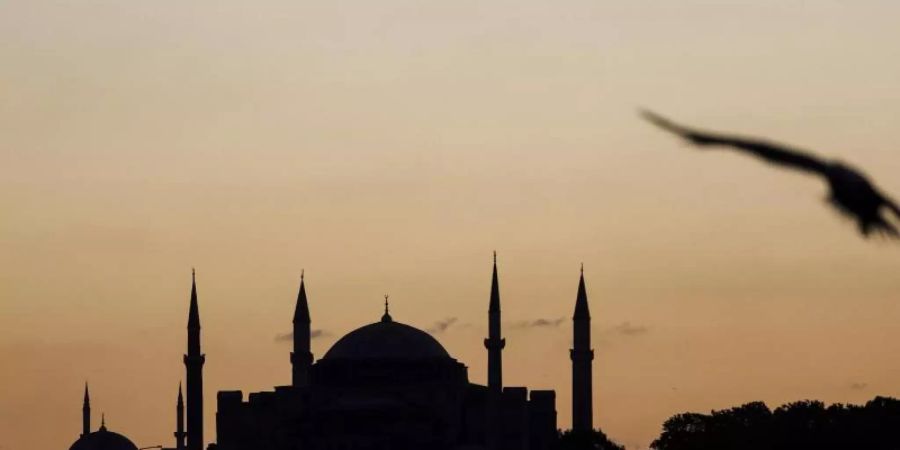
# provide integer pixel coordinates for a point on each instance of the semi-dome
(103, 440)
(387, 340)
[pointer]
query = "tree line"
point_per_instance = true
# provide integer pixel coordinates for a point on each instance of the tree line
(802, 425)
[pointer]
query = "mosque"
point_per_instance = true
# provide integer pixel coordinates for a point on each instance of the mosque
(385, 385)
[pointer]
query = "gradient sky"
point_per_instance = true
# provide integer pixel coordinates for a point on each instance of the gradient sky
(388, 147)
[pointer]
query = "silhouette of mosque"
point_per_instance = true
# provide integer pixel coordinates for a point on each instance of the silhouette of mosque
(101, 439)
(385, 385)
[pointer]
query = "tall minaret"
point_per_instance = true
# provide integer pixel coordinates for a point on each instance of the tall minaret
(179, 421)
(582, 358)
(301, 357)
(193, 363)
(495, 343)
(86, 412)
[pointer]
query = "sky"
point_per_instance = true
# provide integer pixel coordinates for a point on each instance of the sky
(388, 147)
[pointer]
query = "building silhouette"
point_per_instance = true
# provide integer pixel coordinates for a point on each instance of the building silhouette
(385, 385)
(102, 439)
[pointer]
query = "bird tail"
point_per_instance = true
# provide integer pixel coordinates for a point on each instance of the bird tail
(889, 230)
(881, 223)
(878, 227)
(894, 208)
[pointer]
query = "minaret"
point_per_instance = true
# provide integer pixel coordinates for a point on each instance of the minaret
(495, 343)
(179, 421)
(193, 363)
(582, 358)
(301, 357)
(86, 412)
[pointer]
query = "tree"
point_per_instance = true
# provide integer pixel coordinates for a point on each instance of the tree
(800, 425)
(585, 440)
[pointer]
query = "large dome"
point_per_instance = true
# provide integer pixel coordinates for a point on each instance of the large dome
(387, 340)
(103, 440)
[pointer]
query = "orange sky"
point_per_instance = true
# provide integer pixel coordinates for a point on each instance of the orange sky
(389, 147)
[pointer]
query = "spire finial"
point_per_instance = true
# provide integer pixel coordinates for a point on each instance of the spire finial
(582, 268)
(387, 314)
(102, 421)
(302, 273)
(193, 274)
(495, 257)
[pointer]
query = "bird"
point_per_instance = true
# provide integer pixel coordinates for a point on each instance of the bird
(851, 192)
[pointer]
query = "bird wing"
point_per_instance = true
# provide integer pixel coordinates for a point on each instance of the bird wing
(772, 153)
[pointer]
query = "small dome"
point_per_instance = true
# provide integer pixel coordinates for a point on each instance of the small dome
(387, 340)
(103, 440)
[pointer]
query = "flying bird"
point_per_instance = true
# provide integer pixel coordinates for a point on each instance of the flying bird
(851, 192)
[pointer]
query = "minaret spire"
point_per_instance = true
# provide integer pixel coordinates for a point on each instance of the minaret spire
(194, 313)
(301, 357)
(179, 421)
(86, 412)
(301, 310)
(582, 312)
(193, 363)
(582, 360)
(495, 342)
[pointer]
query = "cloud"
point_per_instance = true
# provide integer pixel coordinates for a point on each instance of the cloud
(858, 385)
(285, 337)
(629, 329)
(538, 323)
(442, 325)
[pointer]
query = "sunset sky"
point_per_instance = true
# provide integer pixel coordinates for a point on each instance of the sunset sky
(390, 146)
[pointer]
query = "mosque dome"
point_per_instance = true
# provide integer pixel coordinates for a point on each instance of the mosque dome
(103, 439)
(387, 340)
